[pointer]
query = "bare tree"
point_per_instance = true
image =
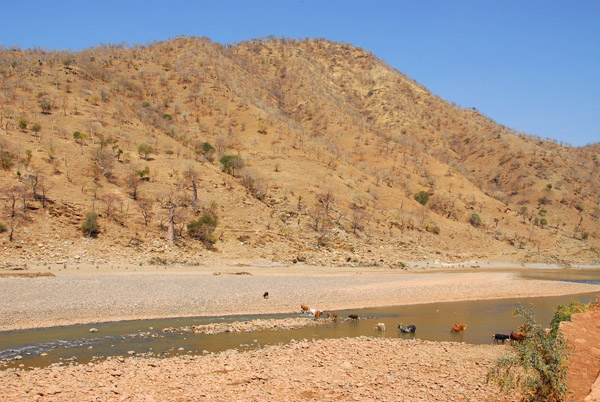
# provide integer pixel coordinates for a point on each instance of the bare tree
(171, 201)
(317, 215)
(110, 200)
(358, 219)
(12, 195)
(145, 206)
(192, 177)
(133, 180)
(327, 200)
(44, 186)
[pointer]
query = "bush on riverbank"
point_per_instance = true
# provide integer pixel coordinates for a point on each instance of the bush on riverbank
(537, 368)
(564, 313)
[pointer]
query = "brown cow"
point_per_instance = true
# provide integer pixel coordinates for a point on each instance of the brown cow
(517, 336)
(304, 308)
(458, 328)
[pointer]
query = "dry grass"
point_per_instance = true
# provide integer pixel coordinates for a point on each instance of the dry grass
(307, 118)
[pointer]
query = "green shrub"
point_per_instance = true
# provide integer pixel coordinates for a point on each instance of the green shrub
(6, 159)
(90, 225)
(167, 116)
(537, 368)
(422, 197)
(142, 173)
(22, 124)
(262, 127)
(203, 229)
(144, 150)
(231, 163)
(2, 228)
(79, 137)
(432, 228)
(475, 220)
(564, 313)
(205, 149)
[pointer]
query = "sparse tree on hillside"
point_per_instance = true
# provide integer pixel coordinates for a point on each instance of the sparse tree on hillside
(133, 181)
(16, 217)
(145, 150)
(203, 228)
(317, 215)
(205, 150)
(171, 201)
(44, 187)
(90, 225)
(192, 178)
(111, 201)
(105, 141)
(36, 128)
(358, 218)
(422, 197)
(231, 163)
(327, 200)
(475, 220)
(22, 123)
(6, 157)
(145, 206)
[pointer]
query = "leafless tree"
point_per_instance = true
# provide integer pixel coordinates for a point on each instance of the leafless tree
(145, 206)
(358, 219)
(110, 200)
(171, 201)
(327, 200)
(192, 178)
(133, 182)
(12, 195)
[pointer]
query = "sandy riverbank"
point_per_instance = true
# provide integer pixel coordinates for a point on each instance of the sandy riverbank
(95, 294)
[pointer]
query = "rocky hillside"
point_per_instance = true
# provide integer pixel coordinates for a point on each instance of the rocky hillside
(189, 151)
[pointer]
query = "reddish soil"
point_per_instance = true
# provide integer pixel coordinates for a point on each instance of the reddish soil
(583, 337)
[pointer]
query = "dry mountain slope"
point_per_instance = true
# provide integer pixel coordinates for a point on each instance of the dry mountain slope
(328, 146)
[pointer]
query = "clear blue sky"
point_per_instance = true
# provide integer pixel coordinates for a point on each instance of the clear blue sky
(531, 65)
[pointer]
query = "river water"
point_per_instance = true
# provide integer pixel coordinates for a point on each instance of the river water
(41, 347)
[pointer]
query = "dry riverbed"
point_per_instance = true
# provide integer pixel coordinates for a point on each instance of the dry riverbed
(352, 369)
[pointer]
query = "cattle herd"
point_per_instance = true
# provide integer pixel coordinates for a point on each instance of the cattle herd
(411, 329)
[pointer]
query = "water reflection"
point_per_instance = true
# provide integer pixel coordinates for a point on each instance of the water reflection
(433, 321)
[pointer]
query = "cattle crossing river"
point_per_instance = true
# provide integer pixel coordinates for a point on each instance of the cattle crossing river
(41, 347)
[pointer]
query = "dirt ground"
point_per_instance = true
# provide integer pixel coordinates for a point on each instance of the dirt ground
(583, 336)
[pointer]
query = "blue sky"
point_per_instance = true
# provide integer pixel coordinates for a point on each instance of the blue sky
(531, 65)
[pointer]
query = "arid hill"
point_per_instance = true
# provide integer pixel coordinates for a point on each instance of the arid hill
(278, 150)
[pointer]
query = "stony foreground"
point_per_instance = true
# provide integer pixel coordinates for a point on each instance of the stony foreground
(357, 369)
